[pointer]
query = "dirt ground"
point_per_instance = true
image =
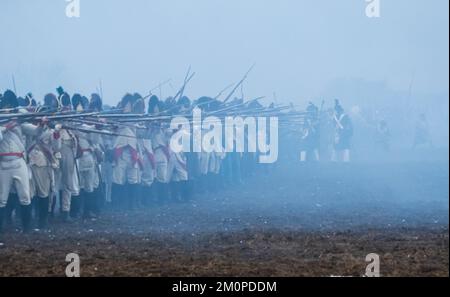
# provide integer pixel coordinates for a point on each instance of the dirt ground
(291, 220)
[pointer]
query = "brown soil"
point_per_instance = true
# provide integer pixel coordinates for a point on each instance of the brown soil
(321, 224)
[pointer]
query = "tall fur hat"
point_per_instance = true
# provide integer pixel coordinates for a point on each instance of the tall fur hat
(9, 100)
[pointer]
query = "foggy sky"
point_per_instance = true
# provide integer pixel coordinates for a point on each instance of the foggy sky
(301, 47)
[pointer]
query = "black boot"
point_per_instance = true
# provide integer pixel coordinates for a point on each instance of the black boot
(177, 186)
(25, 212)
(43, 213)
(11, 206)
(185, 191)
(172, 191)
(164, 193)
(158, 192)
(2, 218)
(147, 195)
(88, 205)
(115, 192)
(154, 189)
(120, 197)
(65, 217)
(99, 200)
(53, 207)
(75, 206)
(134, 197)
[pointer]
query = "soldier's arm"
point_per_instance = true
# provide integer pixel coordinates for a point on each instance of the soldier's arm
(1, 132)
(56, 138)
(31, 130)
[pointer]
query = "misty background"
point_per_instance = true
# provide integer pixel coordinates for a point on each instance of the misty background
(395, 66)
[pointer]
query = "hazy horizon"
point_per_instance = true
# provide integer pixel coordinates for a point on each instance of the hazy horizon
(302, 49)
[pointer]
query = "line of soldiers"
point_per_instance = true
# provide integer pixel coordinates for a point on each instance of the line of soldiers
(45, 162)
(311, 133)
(48, 161)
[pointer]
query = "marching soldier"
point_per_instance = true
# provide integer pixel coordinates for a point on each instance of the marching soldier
(383, 136)
(14, 171)
(68, 181)
(148, 167)
(43, 162)
(343, 134)
(422, 134)
(310, 135)
(99, 144)
(160, 150)
(127, 164)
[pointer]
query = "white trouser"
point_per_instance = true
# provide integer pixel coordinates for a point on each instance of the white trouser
(124, 171)
(177, 168)
(43, 179)
(162, 165)
(148, 172)
(14, 173)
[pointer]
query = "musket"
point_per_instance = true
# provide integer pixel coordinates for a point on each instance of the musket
(232, 107)
(239, 84)
(102, 132)
(159, 86)
(181, 91)
(98, 123)
(223, 91)
(14, 84)
(71, 116)
(101, 89)
(147, 119)
(22, 116)
(184, 83)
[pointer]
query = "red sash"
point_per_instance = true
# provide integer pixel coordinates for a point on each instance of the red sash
(151, 158)
(18, 155)
(134, 155)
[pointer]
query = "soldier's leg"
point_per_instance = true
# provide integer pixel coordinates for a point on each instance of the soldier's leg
(119, 178)
(43, 212)
(66, 198)
(316, 155)
(89, 183)
(3, 201)
(346, 155)
(22, 186)
(5, 187)
(88, 205)
(11, 206)
(160, 187)
(2, 217)
(98, 195)
(334, 156)
(75, 205)
(115, 195)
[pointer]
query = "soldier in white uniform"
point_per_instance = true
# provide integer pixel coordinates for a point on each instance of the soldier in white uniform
(343, 134)
(161, 152)
(67, 183)
(162, 157)
(127, 163)
(14, 172)
(177, 174)
(42, 162)
(88, 169)
(148, 167)
(96, 105)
